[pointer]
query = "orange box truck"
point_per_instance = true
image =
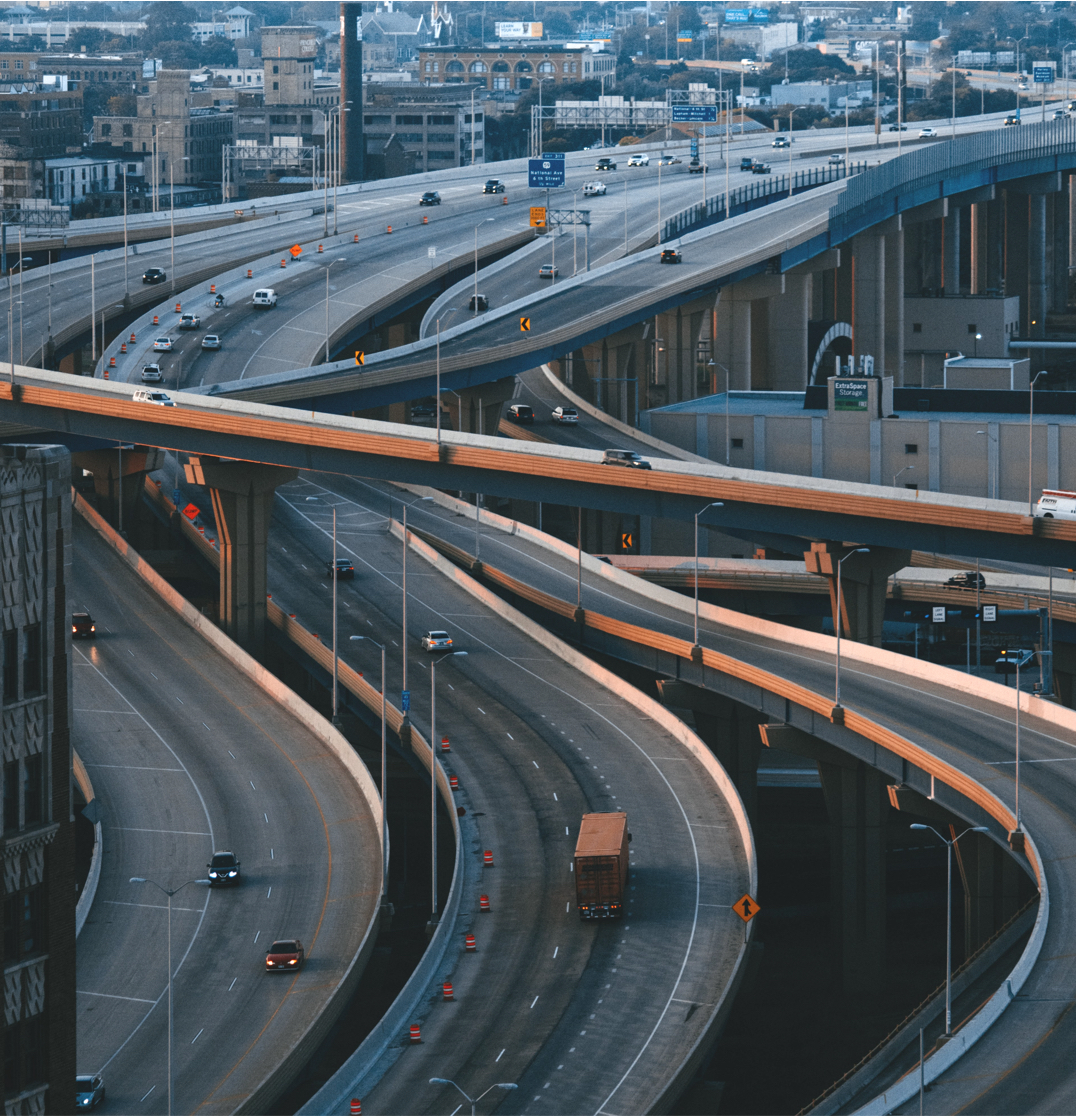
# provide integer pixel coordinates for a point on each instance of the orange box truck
(601, 865)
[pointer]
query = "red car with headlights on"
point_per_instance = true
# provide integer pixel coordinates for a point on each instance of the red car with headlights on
(285, 954)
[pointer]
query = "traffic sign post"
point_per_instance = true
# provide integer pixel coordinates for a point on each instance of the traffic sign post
(694, 114)
(360, 357)
(937, 614)
(175, 497)
(990, 614)
(405, 701)
(746, 907)
(538, 216)
(547, 172)
(524, 325)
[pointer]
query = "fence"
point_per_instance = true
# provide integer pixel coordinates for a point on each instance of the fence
(749, 196)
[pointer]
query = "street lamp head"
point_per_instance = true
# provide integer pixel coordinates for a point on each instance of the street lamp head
(440, 1081)
(506, 1085)
(459, 652)
(916, 825)
(138, 879)
(979, 829)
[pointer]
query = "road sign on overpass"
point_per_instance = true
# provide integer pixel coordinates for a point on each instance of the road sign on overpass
(694, 114)
(546, 172)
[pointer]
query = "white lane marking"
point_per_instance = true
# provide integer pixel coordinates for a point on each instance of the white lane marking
(130, 767)
(534, 1001)
(535, 762)
(252, 786)
(151, 1088)
(499, 1056)
(556, 951)
(555, 798)
(151, 906)
(174, 832)
(205, 810)
(566, 831)
(481, 710)
(266, 816)
(181, 701)
(1011, 763)
(567, 907)
(206, 727)
(702, 825)
(231, 753)
(511, 737)
(257, 936)
(232, 985)
(270, 892)
(196, 1037)
(109, 996)
(112, 712)
(272, 856)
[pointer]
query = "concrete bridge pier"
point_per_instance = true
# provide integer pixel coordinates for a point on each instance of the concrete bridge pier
(480, 408)
(119, 474)
(242, 496)
(864, 580)
(857, 805)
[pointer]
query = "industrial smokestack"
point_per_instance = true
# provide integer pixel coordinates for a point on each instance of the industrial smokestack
(352, 148)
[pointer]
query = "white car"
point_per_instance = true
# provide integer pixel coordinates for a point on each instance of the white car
(641, 159)
(593, 189)
(159, 398)
(928, 133)
(565, 414)
(437, 641)
(162, 345)
(151, 374)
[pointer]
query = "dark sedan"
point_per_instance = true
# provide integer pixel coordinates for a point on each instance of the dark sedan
(153, 275)
(342, 567)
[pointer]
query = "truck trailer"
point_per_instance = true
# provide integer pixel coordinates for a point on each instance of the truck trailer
(601, 865)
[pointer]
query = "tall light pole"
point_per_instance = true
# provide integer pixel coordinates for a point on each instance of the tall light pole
(329, 267)
(1030, 440)
(476, 228)
(403, 636)
(718, 364)
(437, 406)
(949, 843)
(840, 601)
(791, 112)
(169, 892)
(336, 656)
(474, 1100)
(994, 471)
(904, 470)
(715, 504)
(384, 772)
(433, 779)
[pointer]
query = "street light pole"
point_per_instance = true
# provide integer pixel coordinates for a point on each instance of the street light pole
(169, 892)
(715, 504)
(840, 601)
(472, 1101)
(433, 779)
(329, 268)
(1030, 445)
(949, 843)
(384, 772)
(336, 656)
(897, 474)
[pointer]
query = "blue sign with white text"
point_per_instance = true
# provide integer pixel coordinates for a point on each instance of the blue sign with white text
(545, 173)
(694, 114)
(1042, 75)
(760, 15)
(737, 15)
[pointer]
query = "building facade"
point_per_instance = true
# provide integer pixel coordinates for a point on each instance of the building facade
(434, 123)
(37, 122)
(72, 178)
(508, 68)
(288, 56)
(35, 710)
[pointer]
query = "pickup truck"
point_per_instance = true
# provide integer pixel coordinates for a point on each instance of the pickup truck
(601, 865)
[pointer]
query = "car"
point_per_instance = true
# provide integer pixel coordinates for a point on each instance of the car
(211, 341)
(928, 133)
(288, 953)
(593, 189)
(695, 167)
(565, 414)
(668, 160)
(431, 197)
(152, 374)
(1022, 86)
(478, 302)
(548, 271)
(344, 569)
(605, 164)
(898, 127)
(781, 141)
(190, 321)
(159, 398)
(265, 298)
(1056, 503)
(1008, 661)
(836, 158)
(493, 186)
(747, 163)
(670, 255)
(520, 412)
(153, 275)
(163, 345)
(223, 869)
(1060, 114)
(627, 458)
(82, 626)
(89, 1090)
(967, 579)
(1012, 118)
(437, 641)
(761, 168)
(639, 159)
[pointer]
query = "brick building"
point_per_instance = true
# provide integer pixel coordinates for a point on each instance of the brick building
(38, 827)
(432, 123)
(516, 68)
(37, 122)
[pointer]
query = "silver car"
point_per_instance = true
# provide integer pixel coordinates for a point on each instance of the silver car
(151, 374)
(211, 341)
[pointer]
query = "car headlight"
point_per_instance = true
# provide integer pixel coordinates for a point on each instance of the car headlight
(294, 961)
(232, 873)
(212, 875)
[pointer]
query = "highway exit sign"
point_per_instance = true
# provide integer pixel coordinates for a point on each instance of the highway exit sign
(546, 172)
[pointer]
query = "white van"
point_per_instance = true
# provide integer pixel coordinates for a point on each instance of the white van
(1055, 504)
(265, 297)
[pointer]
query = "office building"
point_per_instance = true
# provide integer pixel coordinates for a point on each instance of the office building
(432, 123)
(516, 68)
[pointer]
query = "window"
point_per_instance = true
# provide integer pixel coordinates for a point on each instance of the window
(546, 68)
(106, 129)
(911, 447)
(276, 84)
(23, 925)
(409, 119)
(737, 443)
(11, 665)
(500, 67)
(524, 68)
(911, 486)
(453, 67)
(478, 67)
(276, 70)
(33, 790)
(11, 796)
(972, 328)
(917, 327)
(128, 129)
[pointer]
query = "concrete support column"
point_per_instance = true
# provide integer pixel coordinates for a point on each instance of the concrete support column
(1059, 252)
(1017, 209)
(119, 473)
(894, 307)
(951, 252)
(864, 581)
(788, 316)
(242, 497)
(481, 407)
(733, 341)
(1036, 244)
(977, 278)
(995, 245)
(868, 320)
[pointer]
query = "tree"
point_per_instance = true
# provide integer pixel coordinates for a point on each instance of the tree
(178, 54)
(126, 104)
(167, 23)
(218, 51)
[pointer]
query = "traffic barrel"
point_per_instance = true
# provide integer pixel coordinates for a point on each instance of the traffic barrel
(321, 248)
(250, 273)
(425, 219)
(483, 903)
(504, 200)
(416, 1034)
(446, 990)
(453, 782)
(212, 288)
(356, 241)
(445, 746)
(123, 347)
(179, 308)
(112, 362)
(106, 373)
(390, 228)
(132, 337)
(356, 1107)
(469, 944)
(156, 321)
(283, 262)
(487, 860)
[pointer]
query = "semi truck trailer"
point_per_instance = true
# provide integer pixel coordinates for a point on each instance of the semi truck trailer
(601, 865)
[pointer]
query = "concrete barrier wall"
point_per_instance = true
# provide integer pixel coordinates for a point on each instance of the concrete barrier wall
(93, 878)
(293, 1059)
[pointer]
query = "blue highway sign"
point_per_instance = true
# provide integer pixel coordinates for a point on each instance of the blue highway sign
(545, 173)
(694, 114)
